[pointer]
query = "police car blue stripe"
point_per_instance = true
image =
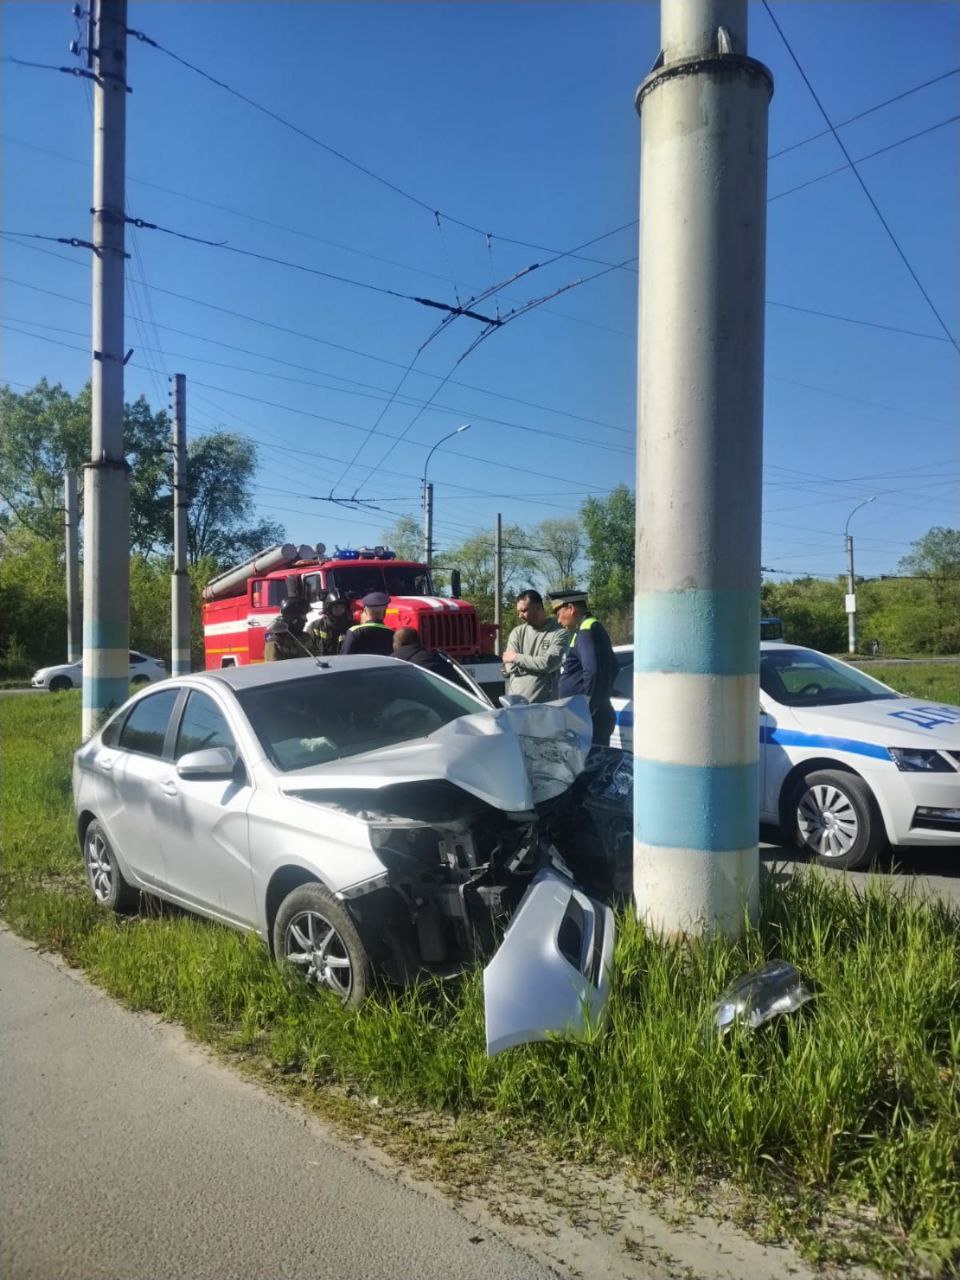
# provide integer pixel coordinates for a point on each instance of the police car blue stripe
(711, 808)
(697, 631)
(795, 738)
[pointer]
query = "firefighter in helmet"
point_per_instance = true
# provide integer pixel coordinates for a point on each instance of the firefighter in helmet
(286, 637)
(327, 631)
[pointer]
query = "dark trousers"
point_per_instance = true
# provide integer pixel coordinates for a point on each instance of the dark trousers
(604, 719)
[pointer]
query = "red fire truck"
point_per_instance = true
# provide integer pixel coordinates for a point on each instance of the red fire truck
(239, 605)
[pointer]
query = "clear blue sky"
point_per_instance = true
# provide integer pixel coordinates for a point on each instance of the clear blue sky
(519, 119)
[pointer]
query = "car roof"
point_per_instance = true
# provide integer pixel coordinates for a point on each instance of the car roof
(263, 673)
(764, 644)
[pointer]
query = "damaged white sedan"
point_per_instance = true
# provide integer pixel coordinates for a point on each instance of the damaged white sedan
(365, 818)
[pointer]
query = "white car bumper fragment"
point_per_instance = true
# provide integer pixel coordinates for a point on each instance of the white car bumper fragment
(551, 975)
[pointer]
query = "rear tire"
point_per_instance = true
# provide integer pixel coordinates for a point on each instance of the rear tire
(104, 876)
(139, 681)
(835, 817)
(59, 684)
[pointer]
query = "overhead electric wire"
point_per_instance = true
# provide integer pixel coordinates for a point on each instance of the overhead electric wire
(856, 173)
(869, 111)
(860, 159)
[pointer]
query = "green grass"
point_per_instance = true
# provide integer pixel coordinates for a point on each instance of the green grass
(853, 1105)
(938, 682)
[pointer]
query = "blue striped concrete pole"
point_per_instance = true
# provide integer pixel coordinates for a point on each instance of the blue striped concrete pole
(106, 507)
(700, 412)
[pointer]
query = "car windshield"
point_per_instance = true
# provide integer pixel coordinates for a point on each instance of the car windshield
(805, 678)
(394, 579)
(330, 716)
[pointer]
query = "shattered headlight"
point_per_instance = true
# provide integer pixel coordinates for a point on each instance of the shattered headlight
(919, 760)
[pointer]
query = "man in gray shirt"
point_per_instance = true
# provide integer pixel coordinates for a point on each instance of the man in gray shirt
(534, 652)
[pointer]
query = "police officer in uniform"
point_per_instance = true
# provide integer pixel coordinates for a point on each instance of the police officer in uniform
(589, 664)
(371, 634)
(327, 632)
(286, 637)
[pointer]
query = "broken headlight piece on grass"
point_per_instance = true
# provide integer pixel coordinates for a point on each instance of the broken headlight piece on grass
(756, 998)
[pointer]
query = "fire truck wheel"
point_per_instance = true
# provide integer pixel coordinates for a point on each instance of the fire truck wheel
(315, 933)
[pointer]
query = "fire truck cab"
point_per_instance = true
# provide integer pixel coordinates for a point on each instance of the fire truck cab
(240, 605)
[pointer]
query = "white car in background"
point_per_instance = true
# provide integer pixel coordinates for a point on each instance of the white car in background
(847, 764)
(69, 675)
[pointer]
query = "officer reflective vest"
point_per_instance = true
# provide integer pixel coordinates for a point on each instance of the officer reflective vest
(369, 637)
(589, 664)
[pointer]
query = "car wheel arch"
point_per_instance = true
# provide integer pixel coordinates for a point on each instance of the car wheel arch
(282, 883)
(83, 822)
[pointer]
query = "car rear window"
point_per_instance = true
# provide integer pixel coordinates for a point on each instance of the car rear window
(329, 716)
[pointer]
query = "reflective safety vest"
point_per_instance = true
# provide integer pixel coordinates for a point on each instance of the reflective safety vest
(362, 626)
(585, 625)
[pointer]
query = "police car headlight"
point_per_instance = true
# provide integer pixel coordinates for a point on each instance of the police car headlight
(919, 760)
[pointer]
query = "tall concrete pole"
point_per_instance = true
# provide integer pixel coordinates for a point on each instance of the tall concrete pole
(851, 600)
(498, 579)
(106, 561)
(180, 580)
(703, 110)
(427, 523)
(72, 552)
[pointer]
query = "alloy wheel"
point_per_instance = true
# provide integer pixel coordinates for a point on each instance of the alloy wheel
(828, 821)
(100, 870)
(314, 946)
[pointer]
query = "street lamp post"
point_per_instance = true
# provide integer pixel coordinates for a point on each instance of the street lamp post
(428, 496)
(851, 600)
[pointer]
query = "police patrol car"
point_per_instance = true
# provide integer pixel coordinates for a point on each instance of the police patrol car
(847, 764)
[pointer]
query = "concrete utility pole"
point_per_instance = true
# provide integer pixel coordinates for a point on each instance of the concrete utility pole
(427, 523)
(72, 550)
(498, 580)
(700, 416)
(106, 561)
(851, 600)
(180, 580)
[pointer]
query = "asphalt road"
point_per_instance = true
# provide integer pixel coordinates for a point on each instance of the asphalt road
(928, 870)
(126, 1153)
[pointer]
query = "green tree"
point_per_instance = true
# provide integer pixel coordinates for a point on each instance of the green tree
(220, 471)
(936, 558)
(475, 559)
(405, 537)
(609, 524)
(563, 543)
(811, 610)
(47, 431)
(33, 604)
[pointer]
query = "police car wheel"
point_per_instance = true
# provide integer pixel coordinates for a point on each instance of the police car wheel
(837, 819)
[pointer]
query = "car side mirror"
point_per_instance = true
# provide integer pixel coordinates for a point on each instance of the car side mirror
(455, 586)
(214, 762)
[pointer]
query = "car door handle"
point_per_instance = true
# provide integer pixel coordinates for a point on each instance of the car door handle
(168, 787)
(105, 763)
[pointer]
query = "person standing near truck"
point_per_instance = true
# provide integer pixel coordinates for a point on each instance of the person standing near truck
(371, 634)
(534, 652)
(589, 664)
(286, 637)
(328, 630)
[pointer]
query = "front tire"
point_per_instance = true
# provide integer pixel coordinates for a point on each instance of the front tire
(104, 876)
(837, 819)
(139, 681)
(317, 935)
(60, 684)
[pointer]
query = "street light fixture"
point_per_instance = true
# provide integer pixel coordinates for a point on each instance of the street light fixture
(851, 600)
(428, 495)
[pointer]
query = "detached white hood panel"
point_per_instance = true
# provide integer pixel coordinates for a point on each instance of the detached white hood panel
(511, 758)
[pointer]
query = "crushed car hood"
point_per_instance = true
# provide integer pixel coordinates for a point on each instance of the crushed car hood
(512, 758)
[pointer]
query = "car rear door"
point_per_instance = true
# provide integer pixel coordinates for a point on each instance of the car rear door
(130, 775)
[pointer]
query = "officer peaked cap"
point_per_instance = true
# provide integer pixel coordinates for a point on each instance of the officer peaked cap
(573, 596)
(376, 600)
